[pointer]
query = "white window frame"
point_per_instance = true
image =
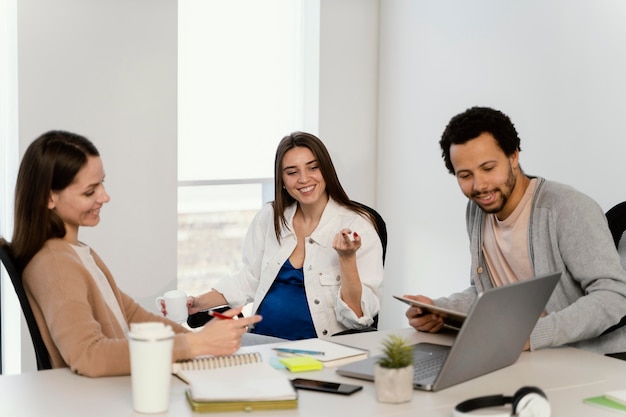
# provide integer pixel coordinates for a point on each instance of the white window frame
(10, 311)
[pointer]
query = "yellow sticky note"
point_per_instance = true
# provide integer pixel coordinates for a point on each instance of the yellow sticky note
(302, 364)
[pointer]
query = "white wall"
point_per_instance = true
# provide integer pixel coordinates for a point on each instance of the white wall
(348, 92)
(555, 67)
(107, 70)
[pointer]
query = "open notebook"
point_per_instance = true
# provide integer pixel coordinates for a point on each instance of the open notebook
(325, 351)
(492, 336)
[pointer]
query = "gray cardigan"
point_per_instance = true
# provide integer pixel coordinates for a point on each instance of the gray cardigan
(568, 232)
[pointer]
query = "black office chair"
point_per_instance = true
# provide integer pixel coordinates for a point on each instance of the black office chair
(41, 352)
(616, 218)
(381, 227)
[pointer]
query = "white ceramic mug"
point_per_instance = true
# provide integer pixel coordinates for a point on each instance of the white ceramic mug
(151, 346)
(175, 304)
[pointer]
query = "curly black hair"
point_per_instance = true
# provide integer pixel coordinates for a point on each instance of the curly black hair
(471, 123)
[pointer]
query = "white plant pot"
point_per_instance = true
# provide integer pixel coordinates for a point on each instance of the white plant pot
(394, 385)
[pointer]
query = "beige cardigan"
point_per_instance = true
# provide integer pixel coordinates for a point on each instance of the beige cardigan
(78, 328)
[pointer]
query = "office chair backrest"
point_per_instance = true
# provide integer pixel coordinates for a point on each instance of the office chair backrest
(41, 352)
(381, 227)
(616, 218)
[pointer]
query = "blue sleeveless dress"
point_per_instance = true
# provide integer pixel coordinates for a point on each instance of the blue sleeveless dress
(285, 309)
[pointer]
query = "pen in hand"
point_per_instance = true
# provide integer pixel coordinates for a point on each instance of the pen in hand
(225, 317)
(219, 315)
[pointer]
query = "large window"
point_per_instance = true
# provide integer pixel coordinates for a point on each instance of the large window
(240, 91)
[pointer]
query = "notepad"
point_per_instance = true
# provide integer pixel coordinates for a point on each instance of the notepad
(243, 387)
(334, 354)
(302, 364)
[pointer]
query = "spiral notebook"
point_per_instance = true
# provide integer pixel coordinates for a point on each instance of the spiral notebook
(235, 382)
(212, 362)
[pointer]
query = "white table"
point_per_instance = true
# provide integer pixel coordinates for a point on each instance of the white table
(567, 376)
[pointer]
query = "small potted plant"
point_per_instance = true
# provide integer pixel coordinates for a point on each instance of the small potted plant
(393, 376)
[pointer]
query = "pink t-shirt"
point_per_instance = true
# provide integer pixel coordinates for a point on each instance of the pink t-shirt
(505, 243)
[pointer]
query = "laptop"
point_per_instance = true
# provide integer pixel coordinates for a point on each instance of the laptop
(492, 336)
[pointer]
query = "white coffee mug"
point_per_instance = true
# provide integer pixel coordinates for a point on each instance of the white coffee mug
(175, 304)
(151, 345)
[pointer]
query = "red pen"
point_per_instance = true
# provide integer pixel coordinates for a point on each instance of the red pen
(219, 315)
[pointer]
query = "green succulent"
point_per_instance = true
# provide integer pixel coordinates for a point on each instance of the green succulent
(396, 353)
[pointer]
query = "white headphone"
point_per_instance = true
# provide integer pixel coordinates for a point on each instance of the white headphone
(527, 402)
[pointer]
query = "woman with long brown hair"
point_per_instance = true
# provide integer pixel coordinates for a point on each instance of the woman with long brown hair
(81, 313)
(312, 258)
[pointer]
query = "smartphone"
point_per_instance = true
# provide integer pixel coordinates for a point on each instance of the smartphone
(325, 386)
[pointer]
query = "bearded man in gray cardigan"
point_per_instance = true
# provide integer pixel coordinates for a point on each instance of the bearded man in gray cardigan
(521, 227)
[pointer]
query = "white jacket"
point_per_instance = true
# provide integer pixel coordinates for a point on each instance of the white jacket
(263, 257)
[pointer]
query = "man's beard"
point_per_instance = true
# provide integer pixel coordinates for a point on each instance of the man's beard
(509, 185)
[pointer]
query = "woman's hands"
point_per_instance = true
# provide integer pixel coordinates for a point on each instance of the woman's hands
(195, 304)
(221, 336)
(192, 305)
(346, 243)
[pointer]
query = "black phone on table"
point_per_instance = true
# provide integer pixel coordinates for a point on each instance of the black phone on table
(325, 386)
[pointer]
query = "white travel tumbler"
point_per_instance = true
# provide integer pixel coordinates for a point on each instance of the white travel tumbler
(151, 346)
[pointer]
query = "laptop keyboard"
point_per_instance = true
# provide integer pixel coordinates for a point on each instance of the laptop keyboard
(428, 367)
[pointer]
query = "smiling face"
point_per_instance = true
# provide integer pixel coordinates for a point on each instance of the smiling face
(302, 177)
(79, 203)
(487, 176)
